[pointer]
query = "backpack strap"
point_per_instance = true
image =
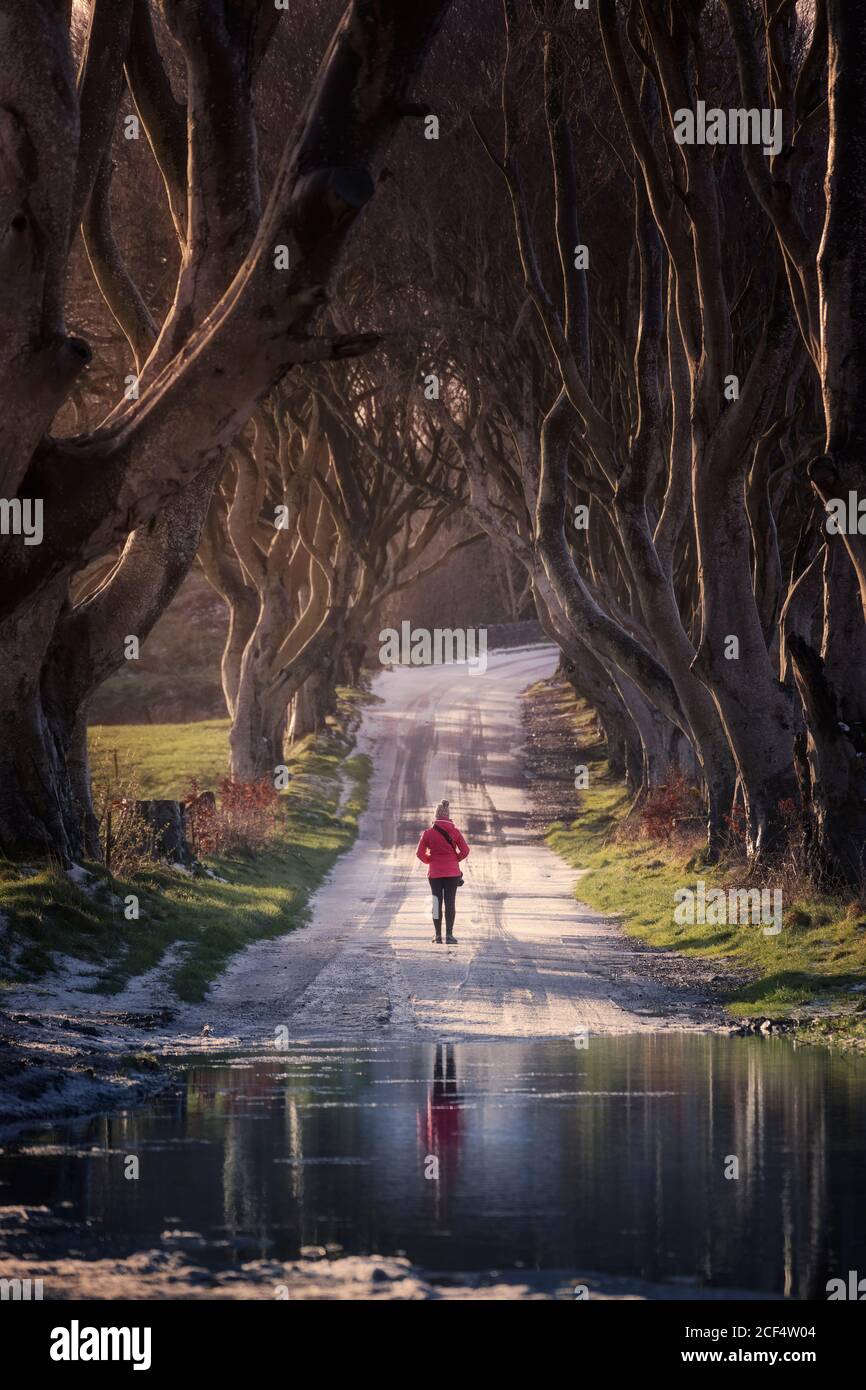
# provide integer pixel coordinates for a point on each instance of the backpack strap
(445, 834)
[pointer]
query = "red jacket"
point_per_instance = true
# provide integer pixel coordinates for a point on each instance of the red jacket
(434, 850)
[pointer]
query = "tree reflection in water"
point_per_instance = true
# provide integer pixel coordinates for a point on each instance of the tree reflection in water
(610, 1159)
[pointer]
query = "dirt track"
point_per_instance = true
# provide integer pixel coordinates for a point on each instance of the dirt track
(531, 961)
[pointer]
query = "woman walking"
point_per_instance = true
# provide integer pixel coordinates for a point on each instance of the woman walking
(441, 848)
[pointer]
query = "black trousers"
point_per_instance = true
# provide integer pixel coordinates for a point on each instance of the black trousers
(444, 890)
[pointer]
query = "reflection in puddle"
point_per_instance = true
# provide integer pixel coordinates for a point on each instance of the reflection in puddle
(476, 1156)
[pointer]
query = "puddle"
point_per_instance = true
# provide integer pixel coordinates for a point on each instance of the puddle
(476, 1156)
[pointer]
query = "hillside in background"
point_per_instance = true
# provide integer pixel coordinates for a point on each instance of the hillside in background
(177, 677)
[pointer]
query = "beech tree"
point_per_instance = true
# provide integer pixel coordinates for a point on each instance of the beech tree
(254, 274)
(738, 391)
(816, 84)
(319, 522)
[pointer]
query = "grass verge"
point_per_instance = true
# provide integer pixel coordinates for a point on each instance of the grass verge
(815, 966)
(202, 922)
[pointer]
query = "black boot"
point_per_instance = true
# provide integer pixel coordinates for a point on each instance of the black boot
(450, 940)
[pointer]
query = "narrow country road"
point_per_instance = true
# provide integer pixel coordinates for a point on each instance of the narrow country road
(531, 961)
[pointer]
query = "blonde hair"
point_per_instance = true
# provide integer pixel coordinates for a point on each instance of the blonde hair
(443, 811)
